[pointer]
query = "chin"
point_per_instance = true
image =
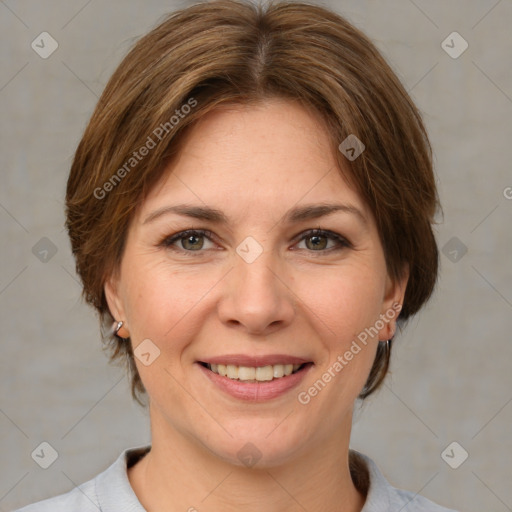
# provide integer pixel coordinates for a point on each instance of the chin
(255, 443)
(257, 453)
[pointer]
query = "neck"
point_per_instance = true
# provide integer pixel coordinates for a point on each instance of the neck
(181, 472)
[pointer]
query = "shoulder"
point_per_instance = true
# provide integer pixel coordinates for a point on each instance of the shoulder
(105, 492)
(412, 502)
(81, 499)
(383, 497)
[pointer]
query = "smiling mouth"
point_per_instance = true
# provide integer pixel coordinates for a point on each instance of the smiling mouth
(255, 373)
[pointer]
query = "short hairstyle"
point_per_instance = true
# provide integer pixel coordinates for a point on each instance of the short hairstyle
(228, 52)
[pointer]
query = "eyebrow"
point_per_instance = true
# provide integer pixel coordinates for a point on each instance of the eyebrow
(295, 215)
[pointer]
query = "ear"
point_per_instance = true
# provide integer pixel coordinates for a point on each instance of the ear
(115, 304)
(392, 304)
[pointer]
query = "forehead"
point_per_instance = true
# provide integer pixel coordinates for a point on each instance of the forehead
(252, 159)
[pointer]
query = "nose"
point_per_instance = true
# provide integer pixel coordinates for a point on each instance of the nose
(257, 297)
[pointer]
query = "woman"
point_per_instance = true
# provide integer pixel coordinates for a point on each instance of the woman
(250, 207)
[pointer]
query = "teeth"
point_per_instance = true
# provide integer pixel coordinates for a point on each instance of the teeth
(246, 373)
(232, 371)
(278, 371)
(259, 374)
(264, 373)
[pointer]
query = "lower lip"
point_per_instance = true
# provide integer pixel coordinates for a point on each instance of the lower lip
(256, 391)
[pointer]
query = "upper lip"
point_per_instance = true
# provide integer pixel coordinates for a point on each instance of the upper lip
(255, 361)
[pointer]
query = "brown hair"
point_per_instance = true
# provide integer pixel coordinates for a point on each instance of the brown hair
(231, 51)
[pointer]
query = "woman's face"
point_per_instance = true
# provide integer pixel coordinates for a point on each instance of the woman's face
(258, 290)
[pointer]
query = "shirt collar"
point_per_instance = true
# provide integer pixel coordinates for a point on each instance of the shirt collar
(115, 493)
(378, 498)
(113, 486)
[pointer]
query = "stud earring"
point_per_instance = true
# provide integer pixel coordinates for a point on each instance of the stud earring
(120, 331)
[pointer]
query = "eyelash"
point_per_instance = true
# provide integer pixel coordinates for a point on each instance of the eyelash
(168, 241)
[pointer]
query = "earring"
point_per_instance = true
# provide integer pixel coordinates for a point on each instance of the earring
(388, 344)
(120, 331)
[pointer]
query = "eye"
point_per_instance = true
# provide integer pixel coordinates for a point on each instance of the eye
(316, 240)
(191, 240)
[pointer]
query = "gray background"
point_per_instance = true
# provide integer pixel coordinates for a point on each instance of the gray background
(451, 378)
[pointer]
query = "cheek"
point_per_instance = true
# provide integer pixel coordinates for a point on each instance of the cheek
(348, 307)
(158, 298)
(345, 300)
(161, 308)
(341, 301)
(169, 304)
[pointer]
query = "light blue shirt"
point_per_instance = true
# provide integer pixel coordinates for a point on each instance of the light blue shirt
(111, 491)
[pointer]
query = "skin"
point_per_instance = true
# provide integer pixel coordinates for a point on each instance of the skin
(202, 299)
